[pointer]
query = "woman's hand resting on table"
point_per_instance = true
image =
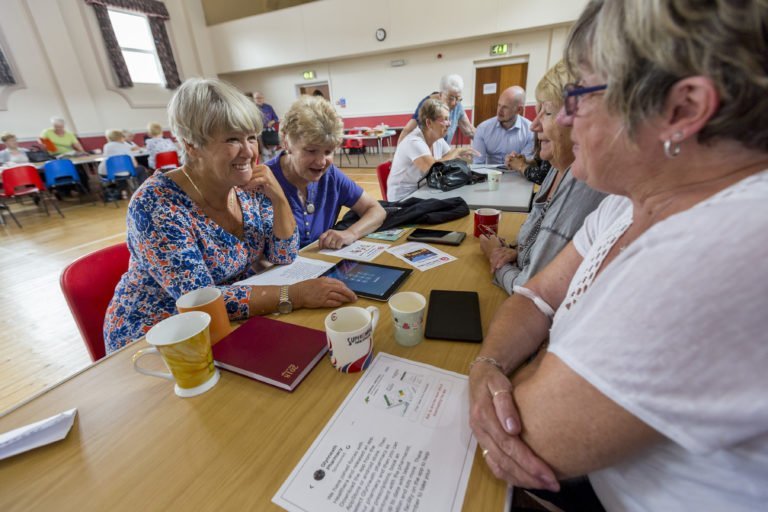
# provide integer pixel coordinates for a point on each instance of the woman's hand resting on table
(496, 425)
(333, 239)
(322, 292)
(497, 253)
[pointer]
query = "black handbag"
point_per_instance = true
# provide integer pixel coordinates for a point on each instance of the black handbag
(450, 175)
(38, 154)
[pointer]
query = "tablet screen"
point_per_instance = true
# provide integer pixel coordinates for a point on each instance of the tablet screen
(369, 279)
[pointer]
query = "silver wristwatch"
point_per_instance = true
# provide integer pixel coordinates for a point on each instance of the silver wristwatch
(284, 306)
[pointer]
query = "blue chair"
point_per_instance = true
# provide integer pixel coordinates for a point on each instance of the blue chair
(120, 171)
(62, 172)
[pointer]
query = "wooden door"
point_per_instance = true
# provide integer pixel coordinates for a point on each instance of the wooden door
(490, 82)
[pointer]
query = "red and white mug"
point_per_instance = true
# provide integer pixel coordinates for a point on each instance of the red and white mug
(487, 221)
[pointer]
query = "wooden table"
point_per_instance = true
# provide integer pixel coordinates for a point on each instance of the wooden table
(136, 446)
(514, 194)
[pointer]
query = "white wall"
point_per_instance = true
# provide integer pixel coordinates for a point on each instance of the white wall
(371, 86)
(332, 29)
(58, 58)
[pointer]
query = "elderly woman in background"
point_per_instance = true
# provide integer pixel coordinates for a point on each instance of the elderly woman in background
(156, 143)
(423, 147)
(316, 189)
(208, 222)
(451, 87)
(58, 140)
(561, 203)
(12, 154)
(116, 145)
(654, 381)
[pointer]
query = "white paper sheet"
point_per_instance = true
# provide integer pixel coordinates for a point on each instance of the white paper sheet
(37, 434)
(421, 256)
(400, 441)
(360, 250)
(300, 270)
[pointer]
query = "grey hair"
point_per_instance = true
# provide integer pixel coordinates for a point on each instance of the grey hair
(204, 108)
(312, 120)
(664, 41)
(58, 120)
(449, 83)
(429, 110)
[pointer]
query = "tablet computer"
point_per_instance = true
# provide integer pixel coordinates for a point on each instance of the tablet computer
(369, 280)
(454, 315)
(437, 236)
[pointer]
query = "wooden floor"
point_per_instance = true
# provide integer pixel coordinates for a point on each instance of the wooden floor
(39, 342)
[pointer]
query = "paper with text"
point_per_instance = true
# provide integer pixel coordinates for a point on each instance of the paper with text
(359, 250)
(400, 441)
(300, 270)
(421, 256)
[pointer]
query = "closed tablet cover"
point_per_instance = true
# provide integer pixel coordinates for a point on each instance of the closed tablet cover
(275, 352)
(454, 316)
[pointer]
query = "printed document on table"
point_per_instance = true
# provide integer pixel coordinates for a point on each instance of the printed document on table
(300, 270)
(419, 255)
(360, 250)
(400, 441)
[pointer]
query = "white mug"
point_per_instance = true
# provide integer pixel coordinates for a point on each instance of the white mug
(408, 315)
(350, 337)
(494, 178)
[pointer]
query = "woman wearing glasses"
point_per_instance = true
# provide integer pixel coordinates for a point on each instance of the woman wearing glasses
(653, 383)
(561, 203)
(421, 148)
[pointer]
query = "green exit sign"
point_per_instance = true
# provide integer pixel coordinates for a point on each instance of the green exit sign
(499, 49)
(309, 75)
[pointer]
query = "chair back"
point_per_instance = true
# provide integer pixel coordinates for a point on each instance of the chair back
(166, 159)
(382, 172)
(22, 176)
(119, 164)
(60, 172)
(88, 284)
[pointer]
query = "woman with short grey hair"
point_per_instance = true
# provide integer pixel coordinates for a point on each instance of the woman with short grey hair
(653, 384)
(451, 87)
(210, 222)
(316, 189)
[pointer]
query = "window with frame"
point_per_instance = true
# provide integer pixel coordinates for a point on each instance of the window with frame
(137, 46)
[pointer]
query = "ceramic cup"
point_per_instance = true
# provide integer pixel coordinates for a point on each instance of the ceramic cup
(184, 344)
(488, 217)
(350, 337)
(208, 300)
(408, 316)
(494, 178)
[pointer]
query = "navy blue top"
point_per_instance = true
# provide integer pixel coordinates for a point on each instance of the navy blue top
(333, 191)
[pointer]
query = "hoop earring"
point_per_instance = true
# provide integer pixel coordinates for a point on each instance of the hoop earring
(672, 145)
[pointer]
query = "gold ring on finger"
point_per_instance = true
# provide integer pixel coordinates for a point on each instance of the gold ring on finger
(500, 391)
(485, 452)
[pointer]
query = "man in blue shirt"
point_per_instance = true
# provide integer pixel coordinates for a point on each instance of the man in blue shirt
(509, 132)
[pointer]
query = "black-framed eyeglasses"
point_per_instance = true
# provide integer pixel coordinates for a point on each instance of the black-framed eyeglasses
(572, 93)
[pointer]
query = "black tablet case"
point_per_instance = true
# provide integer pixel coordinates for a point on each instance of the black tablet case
(454, 316)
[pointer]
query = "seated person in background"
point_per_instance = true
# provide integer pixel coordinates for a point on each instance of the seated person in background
(156, 143)
(58, 140)
(117, 145)
(534, 169)
(653, 384)
(316, 189)
(12, 154)
(208, 222)
(509, 133)
(423, 147)
(450, 94)
(561, 204)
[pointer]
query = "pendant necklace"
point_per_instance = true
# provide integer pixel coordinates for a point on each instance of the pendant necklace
(230, 199)
(310, 203)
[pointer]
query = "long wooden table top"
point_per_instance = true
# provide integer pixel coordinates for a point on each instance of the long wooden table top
(136, 446)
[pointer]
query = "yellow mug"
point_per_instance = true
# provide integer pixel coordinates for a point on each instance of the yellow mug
(184, 343)
(208, 300)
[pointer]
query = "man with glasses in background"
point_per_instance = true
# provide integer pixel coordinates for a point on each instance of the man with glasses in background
(509, 133)
(451, 87)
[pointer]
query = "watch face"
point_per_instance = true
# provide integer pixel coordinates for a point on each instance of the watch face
(285, 307)
(381, 34)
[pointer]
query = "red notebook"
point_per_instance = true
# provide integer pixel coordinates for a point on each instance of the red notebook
(271, 351)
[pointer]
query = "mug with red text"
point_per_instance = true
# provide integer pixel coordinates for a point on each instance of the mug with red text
(488, 218)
